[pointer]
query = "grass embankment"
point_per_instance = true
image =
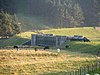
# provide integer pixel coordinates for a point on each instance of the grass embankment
(88, 32)
(16, 40)
(29, 62)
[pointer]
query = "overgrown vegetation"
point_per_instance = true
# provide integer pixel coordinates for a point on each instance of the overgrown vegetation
(55, 13)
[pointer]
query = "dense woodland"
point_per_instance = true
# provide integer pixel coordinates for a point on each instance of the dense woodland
(59, 13)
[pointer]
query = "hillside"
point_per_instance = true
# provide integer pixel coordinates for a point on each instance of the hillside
(89, 32)
(16, 40)
(54, 13)
(79, 54)
(29, 23)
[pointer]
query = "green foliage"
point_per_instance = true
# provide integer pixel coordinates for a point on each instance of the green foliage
(78, 15)
(97, 10)
(95, 71)
(66, 13)
(59, 13)
(30, 23)
(8, 24)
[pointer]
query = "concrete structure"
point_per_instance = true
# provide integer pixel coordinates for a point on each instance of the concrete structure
(47, 40)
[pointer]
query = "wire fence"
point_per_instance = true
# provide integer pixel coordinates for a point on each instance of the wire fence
(86, 69)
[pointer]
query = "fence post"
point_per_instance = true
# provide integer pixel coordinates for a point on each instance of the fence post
(81, 71)
(99, 64)
(69, 73)
(78, 71)
(87, 68)
(73, 72)
(90, 67)
(84, 70)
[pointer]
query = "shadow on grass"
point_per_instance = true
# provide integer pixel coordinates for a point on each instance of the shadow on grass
(90, 47)
(16, 40)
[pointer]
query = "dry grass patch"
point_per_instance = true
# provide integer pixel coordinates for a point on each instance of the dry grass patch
(28, 62)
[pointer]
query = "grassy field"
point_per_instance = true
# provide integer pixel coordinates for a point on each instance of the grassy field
(17, 39)
(94, 72)
(88, 32)
(29, 62)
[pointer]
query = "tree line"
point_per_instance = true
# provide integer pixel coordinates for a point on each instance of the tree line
(63, 13)
(60, 13)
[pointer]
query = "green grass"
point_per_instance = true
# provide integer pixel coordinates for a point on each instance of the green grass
(50, 64)
(89, 32)
(17, 39)
(95, 71)
(87, 47)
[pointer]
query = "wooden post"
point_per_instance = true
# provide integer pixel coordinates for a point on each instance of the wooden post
(84, 70)
(88, 68)
(99, 64)
(76, 72)
(81, 71)
(73, 72)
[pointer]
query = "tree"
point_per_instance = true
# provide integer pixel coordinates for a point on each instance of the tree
(73, 14)
(78, 15)
(8, 25)
(97, 10)
(15, 25)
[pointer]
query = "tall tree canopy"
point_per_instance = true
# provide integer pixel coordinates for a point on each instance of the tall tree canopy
(60, 13)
